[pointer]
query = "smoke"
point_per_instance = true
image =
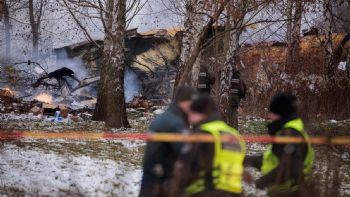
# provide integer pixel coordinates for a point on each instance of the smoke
(131, 81)
(76, 64)
(58, 29)
(131, 85)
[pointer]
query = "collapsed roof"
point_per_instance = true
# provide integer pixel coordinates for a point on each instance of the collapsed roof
(152, 55)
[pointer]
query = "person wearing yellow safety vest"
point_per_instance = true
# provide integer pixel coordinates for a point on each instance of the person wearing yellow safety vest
(210, 169)
(285, 168)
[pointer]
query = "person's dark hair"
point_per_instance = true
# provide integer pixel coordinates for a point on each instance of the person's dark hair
(184, 93)
(284, 104)
(204, 104)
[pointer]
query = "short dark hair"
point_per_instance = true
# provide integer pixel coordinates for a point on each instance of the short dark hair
(204, 104)
(184, 93)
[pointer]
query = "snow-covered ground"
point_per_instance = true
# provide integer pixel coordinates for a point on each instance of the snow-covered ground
(40, 173)
(113, 168)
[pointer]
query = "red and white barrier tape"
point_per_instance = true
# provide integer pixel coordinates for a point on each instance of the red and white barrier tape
(163, 137)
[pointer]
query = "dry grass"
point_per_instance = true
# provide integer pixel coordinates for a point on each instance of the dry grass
(265, 72)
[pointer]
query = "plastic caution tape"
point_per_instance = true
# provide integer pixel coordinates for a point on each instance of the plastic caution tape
(163, 137)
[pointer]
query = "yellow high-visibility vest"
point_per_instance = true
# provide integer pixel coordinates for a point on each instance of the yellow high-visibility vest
(270, 161)
(227, 161)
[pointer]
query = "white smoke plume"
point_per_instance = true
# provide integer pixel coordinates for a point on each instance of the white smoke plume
(131, 85)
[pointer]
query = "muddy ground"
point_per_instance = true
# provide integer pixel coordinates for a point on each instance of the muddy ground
(113, 168)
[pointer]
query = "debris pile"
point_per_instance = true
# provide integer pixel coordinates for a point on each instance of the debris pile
(140, 103)
(43, 107)
(48, 107)
(10, 104)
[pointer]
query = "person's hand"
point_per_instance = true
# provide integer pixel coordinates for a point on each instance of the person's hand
(247, 177)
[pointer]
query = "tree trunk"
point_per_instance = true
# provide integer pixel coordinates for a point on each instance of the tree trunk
(35, 33)
(35, 25)
(196, 70)
(7, 31)
(184, 74)
(330, 69)
(111, 106)
(348, 63)
(289, 14)
(294, 14)
(228, 68)
(193, 28)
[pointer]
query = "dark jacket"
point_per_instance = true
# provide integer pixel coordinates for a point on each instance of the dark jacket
(238, 89)
(199, 157)
(291, 157)
(160, 156)
(205, 80)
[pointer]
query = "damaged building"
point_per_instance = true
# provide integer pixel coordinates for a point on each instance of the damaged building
(153, 56)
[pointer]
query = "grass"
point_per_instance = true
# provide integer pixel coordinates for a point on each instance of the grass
(250, 127)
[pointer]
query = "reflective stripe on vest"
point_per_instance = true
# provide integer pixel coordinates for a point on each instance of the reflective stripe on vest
(202, 86)
(227, 161)
(202, 74)
(271, 161)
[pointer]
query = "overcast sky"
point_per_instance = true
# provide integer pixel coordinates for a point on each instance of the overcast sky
(156, 14)
(59, 29)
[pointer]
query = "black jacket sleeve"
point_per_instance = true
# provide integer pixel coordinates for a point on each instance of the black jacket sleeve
(211, 76)
(198, 159)
(291, 157)
(243, 89)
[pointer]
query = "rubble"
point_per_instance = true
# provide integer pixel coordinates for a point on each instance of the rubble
(49, 109)
(42, 107)
(154, 56)
(10, 104)
(91, 103)
(6, 92)
(140, 103)
(35, 110)
(46, 106)
(85, 116)
(75, 118)
(64, 110)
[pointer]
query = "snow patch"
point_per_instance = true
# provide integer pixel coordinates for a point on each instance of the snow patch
(47, 174)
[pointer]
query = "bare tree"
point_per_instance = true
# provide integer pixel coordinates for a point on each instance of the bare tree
(340, 13)
(294, 12)
(348, 63)
(6, 13)
(36, 10)
(193, 27)
(192, 49)
(112, 15)
(110, 105)
(237, 16)
(330, 68)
